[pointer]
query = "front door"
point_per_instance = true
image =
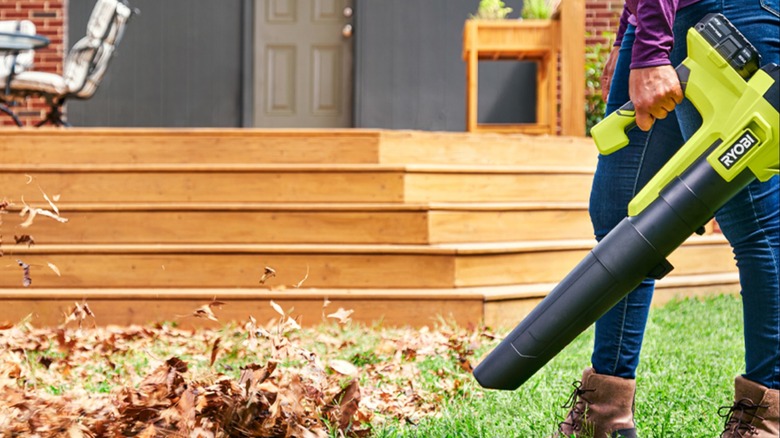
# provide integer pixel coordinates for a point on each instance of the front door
(303, 63)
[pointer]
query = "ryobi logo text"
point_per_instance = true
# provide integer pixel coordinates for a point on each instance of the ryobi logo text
(738, 150)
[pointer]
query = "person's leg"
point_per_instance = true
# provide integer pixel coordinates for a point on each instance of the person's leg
(603, 401)
(619, 177)
(751, 223)
(751, 220)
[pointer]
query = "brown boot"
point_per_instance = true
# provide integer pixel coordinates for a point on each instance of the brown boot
(601, 406)
(755, 412)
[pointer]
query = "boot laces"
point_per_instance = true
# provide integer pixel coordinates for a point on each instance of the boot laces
(739, 417)
(577, 403)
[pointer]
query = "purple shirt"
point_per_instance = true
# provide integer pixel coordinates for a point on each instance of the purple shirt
(654, 20)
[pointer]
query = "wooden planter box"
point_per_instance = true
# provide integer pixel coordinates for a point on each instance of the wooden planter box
(519, 40)
(541, 41)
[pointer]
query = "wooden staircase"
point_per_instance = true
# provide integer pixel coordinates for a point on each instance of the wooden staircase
(399, 226)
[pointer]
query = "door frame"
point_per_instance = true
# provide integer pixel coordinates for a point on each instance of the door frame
(247, 63)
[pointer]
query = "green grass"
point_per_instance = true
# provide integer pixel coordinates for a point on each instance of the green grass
(692, 351)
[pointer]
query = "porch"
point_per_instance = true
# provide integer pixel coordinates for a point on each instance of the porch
(399, 226)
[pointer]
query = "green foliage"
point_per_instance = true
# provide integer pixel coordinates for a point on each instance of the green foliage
(537, 9)
(492, 10)
(595, 58)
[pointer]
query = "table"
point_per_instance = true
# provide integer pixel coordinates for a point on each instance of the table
(13, 41)
(17, 42)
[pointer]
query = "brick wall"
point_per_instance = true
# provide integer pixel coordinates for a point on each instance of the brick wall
(49, 19)
(601, 16)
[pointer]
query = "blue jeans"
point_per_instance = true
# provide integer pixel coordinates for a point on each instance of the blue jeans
(750, 221)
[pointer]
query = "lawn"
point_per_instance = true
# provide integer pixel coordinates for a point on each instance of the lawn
(340, 378)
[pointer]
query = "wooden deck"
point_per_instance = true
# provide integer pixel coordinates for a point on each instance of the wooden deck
(400, 226)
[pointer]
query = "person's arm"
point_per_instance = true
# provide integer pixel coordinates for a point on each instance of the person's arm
(653, 84)
(609, 65)
(622, 26)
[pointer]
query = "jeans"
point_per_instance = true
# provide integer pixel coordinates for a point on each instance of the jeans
(750, 221)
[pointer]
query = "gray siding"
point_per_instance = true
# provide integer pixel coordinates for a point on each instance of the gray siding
(410, 73)
(179, 64)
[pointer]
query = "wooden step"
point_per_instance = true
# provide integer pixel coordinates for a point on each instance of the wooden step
(498, 307)
(207, 145)
(507, 306)
(486, 149)
(204, 146)
(324, 266)
(306, 223)
(102, 183)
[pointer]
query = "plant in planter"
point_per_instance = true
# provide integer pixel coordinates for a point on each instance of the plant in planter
(538, 9)
(492, 10)
(595, 57)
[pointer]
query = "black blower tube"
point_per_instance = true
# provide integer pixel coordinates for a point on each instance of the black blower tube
(637, 248)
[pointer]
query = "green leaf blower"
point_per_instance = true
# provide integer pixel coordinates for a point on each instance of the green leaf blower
(737, 143)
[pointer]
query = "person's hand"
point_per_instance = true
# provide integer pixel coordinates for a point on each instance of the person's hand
(654, 91)
(609, 70)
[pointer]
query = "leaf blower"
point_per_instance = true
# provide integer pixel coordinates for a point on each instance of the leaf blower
(736, 144)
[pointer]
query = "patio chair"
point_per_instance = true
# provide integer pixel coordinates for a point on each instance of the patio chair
(84, 67)
(15, 61)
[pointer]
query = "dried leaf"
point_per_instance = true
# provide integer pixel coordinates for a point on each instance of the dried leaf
(343, 367)
(306, 277)
(278, 308)
(32, 213)
(51, 203)
(54, 216)
(79, 313)
(54, 268)
(205, 311)
(26, 280)
(344, 405)
(214, 351)
(268, 272)
(24, 238)
(342, 315)
(45, 361)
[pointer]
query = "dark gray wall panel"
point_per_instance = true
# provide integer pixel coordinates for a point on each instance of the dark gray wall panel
(179, 64)
(410, 73)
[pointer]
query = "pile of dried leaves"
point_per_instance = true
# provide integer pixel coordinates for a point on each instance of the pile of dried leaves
(277, 380)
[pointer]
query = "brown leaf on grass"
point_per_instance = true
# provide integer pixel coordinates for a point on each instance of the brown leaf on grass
(45, 361)
(65, 345)
(343, 367)
(26, 280)
(253, 375)
(344, 405)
